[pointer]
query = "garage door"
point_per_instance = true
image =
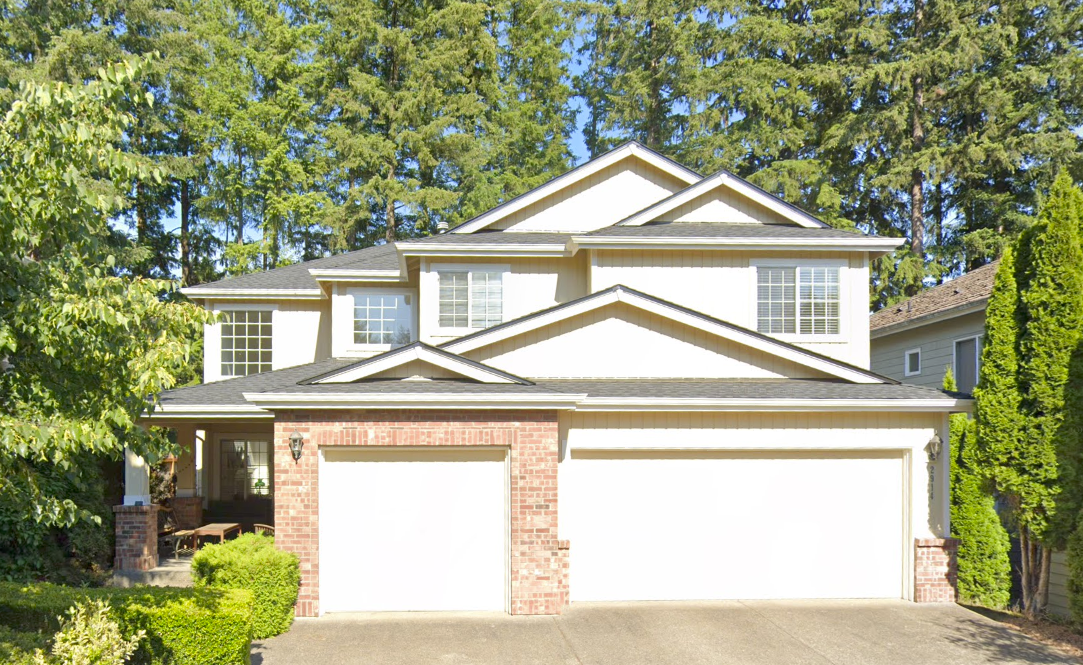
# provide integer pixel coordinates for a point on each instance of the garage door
(412, 530)
(683, 526)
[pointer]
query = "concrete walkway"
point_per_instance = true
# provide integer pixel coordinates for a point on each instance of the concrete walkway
(746, 632)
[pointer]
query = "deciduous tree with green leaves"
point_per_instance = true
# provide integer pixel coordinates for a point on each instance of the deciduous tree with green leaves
(83, 351)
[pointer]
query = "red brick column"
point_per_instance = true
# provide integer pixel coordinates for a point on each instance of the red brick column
(188, 510)
(935, 570)
(538, 566)
(137, 537)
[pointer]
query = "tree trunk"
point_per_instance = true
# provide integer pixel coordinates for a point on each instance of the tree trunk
(185, 234)
(917, 176)
(1034, 575)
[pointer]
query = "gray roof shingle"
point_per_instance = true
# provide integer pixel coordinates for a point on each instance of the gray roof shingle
(718, 230)
(973, 288)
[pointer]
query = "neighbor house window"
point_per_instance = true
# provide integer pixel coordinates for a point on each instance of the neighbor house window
(245, 469)
(471, 299)
(967, 364)
(797, 300)
(246, 342)
(382, 319)
(912, 362)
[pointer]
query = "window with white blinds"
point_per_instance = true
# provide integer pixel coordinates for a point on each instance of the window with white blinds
(471, 298)
(801, 300)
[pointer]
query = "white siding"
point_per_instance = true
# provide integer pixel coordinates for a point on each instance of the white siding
(530, 285)
(620, 341)
(300, 333)
(1058, 585)
(723, 284)
(724, 205)
(937, 344)
(599, 200)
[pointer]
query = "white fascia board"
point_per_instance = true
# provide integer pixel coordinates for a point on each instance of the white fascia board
(354, 275)
(866, 244)
(476, 249)
(711, 183)
(393, 360)
(574, 176)
(412, 401)
(255, 294)
(935, 317)
(775, 348)
(804, 405)
(207, 412)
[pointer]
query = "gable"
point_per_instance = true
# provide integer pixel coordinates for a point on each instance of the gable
(416, 360)
(601, 199)
(622, 341)
(726, 206)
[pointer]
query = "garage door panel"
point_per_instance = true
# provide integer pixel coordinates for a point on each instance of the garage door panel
(412, 530)
(669, 526)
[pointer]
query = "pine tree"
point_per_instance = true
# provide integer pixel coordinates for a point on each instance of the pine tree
(984, 567)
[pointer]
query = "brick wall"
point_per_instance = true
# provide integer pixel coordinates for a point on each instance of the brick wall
(137, 537)
(935, 570)
(538, 563)
(188, 511)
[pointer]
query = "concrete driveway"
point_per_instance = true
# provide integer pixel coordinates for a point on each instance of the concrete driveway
(745, 632)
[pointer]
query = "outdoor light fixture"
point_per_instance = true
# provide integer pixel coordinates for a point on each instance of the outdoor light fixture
(296, 443)
(933, 447)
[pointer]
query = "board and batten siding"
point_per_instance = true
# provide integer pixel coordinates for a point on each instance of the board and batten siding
(300, 333)
(599, 344)
(722, 284)
(936, 341)
(529, 285)
(761, 433)
(599, 200)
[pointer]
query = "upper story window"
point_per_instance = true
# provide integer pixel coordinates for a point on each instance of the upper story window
(471, 298)
(801, 300)
(246, 342)
(912, 362)
(382, 319)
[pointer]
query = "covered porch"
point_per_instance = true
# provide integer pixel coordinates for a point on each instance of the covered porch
(223, 475)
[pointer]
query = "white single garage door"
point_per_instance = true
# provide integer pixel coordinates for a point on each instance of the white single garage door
(703, 525)
(412, 529)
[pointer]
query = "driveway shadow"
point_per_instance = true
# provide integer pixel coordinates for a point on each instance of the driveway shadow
(999, 643)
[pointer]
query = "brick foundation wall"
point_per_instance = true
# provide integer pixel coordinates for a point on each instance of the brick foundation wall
(935, 570)
(188, 511)
(136, 537)
(538, 564)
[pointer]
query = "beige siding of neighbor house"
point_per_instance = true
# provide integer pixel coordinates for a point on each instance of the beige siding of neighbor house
(1058, 585)
(723, 284)
(529, 285)
(300, 333)
(859, 432)
(723, 205)
(936, 342)
(599, 344)
(599, 200)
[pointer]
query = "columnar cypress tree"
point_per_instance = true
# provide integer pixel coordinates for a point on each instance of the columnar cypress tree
(984, 568)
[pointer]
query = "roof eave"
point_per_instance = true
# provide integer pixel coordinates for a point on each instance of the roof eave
(254, 294)
(494, 400)
(930, 318)
(876, 246)
(953, 405)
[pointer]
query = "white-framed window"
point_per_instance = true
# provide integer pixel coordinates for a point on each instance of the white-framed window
(912, 362)
(800, 300)
(966, 363)
(470, 298)
(244, 469)
(245, 341)
(382, 319)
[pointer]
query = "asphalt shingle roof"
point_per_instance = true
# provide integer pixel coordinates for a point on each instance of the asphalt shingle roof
(718, 230)
(972, 288)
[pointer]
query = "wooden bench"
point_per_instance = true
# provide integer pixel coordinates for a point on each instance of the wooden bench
(178, 539)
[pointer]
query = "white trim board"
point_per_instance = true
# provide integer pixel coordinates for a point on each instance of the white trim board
(630, 149)
(673, 312)
(413, 401)
(260, 294)
(732, 182)
(426, 354)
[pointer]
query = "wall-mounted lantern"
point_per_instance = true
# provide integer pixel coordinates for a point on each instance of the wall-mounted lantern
(933, 448)
(296, 443)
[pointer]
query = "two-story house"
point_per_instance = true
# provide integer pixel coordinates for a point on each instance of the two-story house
(631, 383)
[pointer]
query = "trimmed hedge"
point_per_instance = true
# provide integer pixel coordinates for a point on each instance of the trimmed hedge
(183, 626)
(18, 648)
(251, 562)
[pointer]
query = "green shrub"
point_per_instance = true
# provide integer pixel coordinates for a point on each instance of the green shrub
(18, 648)
(90, 635)
(251, 562)
(183, 626)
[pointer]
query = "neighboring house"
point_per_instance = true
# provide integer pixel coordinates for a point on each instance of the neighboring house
(631, 383)
(918, 339)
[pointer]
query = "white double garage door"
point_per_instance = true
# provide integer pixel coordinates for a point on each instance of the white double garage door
(429, 529)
